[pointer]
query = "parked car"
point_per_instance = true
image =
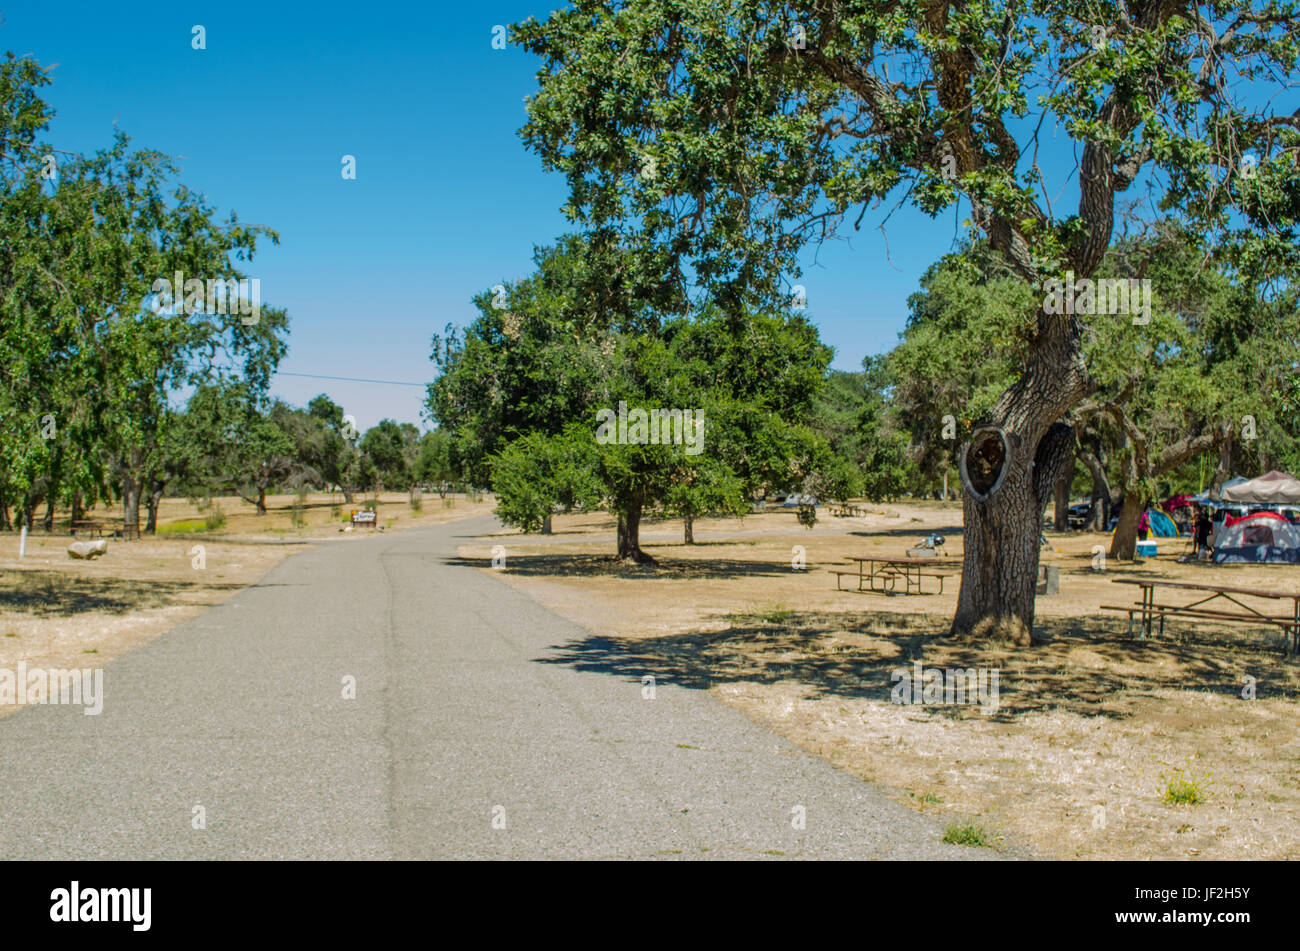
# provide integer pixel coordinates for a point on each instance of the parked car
(795, 500)
(1078, 514)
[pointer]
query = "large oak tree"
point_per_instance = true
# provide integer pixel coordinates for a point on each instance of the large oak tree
(732, 134)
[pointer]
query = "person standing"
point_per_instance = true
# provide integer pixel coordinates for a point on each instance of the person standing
(1202, 531)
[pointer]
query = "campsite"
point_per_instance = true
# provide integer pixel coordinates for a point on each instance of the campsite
(649, 431)
(1098, 719)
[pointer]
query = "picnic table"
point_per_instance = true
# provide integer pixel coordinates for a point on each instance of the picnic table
(91, 528)
(846, 509)
(883, 574)
(1149, 611)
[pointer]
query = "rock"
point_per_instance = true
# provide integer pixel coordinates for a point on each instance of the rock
(88, 550)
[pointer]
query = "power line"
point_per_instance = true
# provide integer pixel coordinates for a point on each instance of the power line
(348, 379)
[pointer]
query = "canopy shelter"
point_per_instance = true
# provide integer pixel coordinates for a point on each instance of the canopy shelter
(1272, 488)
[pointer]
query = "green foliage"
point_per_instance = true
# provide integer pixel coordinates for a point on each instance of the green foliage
(185, 527)
(521, 387)
(389, 453)
(972, 833)
(776, 614)
(83, 342)
(536, 473)
(216, 519)
(1183, 788)
(706, 130)
(436, 463)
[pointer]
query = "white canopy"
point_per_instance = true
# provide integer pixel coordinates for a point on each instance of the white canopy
(1277, 488)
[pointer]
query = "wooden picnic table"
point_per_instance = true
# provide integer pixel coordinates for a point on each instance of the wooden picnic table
(883, 574)
(92, 528)
(1149, 611)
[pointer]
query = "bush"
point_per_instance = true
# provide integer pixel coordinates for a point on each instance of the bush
(215, 519)
(1182, 788)
(970, 833)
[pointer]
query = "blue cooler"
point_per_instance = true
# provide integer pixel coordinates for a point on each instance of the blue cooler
(1146, 549)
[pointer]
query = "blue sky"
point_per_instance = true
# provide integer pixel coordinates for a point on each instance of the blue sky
(446, 202)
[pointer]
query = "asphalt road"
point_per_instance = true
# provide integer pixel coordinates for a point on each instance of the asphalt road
(462, 741)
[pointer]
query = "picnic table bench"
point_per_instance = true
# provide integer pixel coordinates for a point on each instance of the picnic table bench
(883, 574)
(93, 528)
(845, 509)
(1149, 611)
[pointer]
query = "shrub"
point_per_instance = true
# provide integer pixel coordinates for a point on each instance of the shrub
(970, 833)
(215, 519)
(1182, 788)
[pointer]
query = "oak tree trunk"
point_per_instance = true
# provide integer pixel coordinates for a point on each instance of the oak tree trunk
(151, 523)
(1224, 470)
(1008, 471)
(629, 533)
(130, 502)
(1099, 517)
(546, 524)
(1061, 517)
(688, 522)
(1124, 545)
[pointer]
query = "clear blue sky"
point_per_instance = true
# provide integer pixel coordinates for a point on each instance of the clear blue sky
(446, 201)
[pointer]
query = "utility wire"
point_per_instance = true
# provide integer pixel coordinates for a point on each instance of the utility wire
(348, 379)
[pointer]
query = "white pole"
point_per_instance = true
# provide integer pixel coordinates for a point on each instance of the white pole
(22, 542)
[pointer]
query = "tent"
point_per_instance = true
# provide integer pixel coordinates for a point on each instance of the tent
(1162, 526)
(1273, 488)
(1255, 538)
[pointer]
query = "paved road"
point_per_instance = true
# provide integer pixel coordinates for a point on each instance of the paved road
(458, 726)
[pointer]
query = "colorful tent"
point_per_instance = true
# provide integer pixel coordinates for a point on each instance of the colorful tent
(1272, 488)
(1162, 526)
(1255, 538)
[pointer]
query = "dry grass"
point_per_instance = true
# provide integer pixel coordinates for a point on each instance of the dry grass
(1092, 724)
(57, 612)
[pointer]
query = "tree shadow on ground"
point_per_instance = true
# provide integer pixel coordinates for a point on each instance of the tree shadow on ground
(54, 594)
(919, 534)
(1086, 666)
(595, 566)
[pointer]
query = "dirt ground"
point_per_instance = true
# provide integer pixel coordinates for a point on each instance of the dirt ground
(59, 612)
(1092, 726)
